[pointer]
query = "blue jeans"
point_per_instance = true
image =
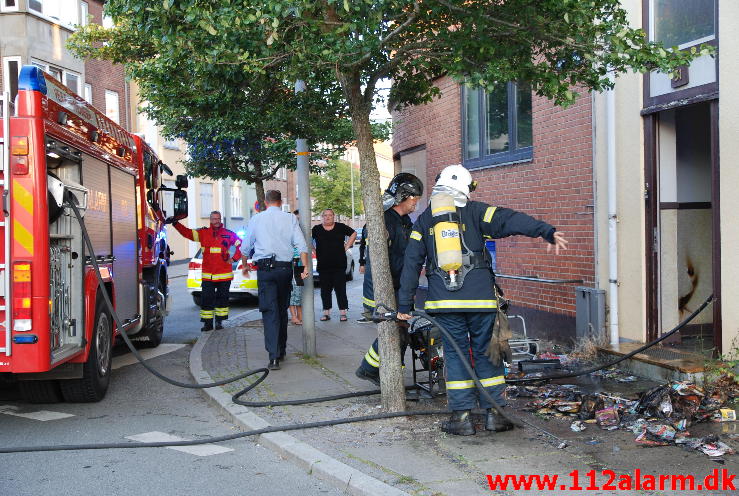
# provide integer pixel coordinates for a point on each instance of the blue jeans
(471, 331)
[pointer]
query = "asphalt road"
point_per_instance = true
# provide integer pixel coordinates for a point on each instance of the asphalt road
(182, 324)
(139, 406)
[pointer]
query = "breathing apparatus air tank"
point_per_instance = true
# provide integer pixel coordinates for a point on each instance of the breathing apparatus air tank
(447, 239)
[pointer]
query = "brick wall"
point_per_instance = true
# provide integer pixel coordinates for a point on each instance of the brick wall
(103, 75)
(287, 188)
(556, 186)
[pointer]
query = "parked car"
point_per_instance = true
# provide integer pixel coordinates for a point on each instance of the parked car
(241, 285)
(349, 267)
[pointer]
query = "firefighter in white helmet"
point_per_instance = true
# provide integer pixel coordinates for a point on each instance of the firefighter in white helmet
(449, 237)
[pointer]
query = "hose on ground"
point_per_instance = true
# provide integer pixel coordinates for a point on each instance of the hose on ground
(590, 370)
(264, 372)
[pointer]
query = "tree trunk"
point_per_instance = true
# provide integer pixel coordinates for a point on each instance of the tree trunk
(259, 185)
(391, 373)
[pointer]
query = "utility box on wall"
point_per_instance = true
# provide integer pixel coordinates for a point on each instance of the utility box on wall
(590, 320)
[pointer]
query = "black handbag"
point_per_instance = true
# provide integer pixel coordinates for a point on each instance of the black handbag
(297, 272)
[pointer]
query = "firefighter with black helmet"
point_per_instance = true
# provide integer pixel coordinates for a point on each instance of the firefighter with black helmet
(449, 237)
(399, 200)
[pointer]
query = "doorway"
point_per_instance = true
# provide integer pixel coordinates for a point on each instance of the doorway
(685, 259)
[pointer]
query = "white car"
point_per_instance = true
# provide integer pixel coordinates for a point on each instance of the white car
(241, 285)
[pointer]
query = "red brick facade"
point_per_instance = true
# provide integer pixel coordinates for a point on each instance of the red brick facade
(556, 186)
(286, 187)
(102, 75)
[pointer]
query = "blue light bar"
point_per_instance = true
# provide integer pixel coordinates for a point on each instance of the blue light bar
(25, 339)
(32, 78)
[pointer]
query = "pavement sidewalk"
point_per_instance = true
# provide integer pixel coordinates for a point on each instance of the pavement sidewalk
(406, 455)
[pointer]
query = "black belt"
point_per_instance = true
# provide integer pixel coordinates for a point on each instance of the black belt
(268, 262)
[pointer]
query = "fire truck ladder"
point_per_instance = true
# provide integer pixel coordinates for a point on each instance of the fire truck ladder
(5, 334)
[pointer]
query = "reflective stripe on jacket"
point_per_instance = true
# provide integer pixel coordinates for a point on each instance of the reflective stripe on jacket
(215, 244)
(478, 221)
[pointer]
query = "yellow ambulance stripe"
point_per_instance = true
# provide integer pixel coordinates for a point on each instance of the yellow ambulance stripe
(416, 235)
(23, 197)
(23, 236)
(489, 214)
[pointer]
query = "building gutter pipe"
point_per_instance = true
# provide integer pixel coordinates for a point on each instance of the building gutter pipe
(612, 217)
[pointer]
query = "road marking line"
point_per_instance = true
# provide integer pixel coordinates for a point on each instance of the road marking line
(129, 359)
(197, 450)
(41, 415)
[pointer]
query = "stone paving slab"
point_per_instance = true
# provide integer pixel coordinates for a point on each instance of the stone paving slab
(411, 454)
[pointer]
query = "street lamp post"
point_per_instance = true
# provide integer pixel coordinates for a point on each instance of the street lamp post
(309, 329)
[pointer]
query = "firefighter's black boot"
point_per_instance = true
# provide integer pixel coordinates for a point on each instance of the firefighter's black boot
(219, 324)
(207, 326)
(459, 424)
(363, 374)
(494, 421)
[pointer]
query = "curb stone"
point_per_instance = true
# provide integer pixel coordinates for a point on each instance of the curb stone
(314, 461)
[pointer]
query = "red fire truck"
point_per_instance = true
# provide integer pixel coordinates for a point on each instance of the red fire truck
(56, 332)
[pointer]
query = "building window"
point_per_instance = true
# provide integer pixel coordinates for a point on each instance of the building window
(62, 11)
(55, 72)
(236, 206)
(11, 69)
(112, 109)
(168, 198)
(8, 5)
(496, 125)
(683, 23)
(88, 93)
(206, 199)
(72, 81)
(84, 14)
(151, 133)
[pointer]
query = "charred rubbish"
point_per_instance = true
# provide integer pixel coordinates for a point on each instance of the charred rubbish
(659, 416)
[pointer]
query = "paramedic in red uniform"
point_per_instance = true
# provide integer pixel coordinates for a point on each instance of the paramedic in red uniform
(216, 242)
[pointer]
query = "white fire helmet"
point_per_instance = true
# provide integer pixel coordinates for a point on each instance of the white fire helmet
(457, 178)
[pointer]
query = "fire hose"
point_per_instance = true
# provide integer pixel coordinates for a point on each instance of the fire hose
(389, 314)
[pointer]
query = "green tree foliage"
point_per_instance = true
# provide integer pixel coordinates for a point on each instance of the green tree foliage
(332, 188)
(558, 46)
(237, 125)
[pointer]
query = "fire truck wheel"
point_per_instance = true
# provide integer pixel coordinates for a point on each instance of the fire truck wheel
(40, 391)
(154, 333)
(96, 370)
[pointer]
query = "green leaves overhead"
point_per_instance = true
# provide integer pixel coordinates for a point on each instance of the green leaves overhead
(555, 44)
